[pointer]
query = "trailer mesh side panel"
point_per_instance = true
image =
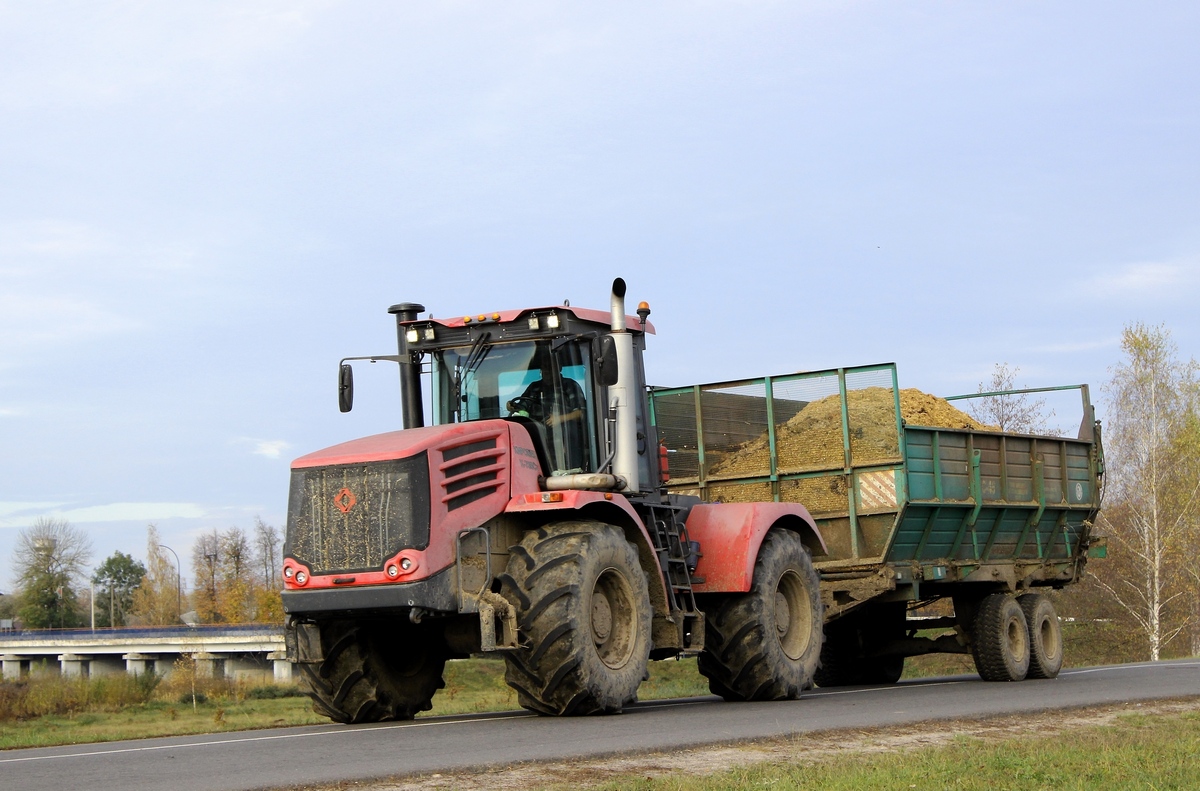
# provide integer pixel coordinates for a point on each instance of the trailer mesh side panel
(349, 518)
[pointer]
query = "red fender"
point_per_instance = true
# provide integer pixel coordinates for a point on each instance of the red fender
(730, 535)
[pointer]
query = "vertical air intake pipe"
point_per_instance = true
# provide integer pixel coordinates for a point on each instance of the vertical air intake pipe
(622, 396)
(412, 408)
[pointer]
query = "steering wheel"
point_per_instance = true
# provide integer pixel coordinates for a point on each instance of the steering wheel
(526, 404)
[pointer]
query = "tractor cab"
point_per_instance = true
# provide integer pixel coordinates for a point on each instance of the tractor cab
(548, 386)
(551, 369)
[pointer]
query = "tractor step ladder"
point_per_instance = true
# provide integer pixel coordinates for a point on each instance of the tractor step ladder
(673, 548)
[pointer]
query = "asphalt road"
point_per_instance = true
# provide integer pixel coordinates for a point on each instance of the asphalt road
(324, 754)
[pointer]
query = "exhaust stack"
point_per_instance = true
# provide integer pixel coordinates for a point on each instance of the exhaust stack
(622, 397)
(412, 409)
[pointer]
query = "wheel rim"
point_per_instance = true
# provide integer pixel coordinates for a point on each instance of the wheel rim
(1049, 635)
(1018, 641)
(793, 614)
(613, 619)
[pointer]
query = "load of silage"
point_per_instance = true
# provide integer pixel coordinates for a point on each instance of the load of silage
(812, 439)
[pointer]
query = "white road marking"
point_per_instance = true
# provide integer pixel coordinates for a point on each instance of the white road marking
(247, 739)
(1128, 667)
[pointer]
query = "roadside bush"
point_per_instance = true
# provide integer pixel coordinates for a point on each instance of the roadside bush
(273, 691)
(46, 694)
(11, 694)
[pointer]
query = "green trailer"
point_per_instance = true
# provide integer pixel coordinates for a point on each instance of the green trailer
(910, 514)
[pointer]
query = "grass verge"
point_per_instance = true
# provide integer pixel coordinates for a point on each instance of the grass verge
(1096, 747)
(1149, 752)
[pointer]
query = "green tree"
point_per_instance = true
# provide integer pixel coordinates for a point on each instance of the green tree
(1152, 454)
(8, 606)
(49, 561)
(116, 581)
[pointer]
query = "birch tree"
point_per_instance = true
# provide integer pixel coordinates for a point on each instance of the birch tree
(1152, 498)
(158, 599)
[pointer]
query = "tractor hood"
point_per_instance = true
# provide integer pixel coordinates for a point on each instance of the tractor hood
(396, 444)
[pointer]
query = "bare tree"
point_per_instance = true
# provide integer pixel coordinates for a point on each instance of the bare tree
(206, 559)
(268, 605)
(1152, 493)
(1020, 413)
(49, 563)
(266, 546)
(235, 571)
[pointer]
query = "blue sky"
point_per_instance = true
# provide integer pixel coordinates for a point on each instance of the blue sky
(203, 206)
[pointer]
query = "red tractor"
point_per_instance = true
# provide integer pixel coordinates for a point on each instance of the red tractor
(530, 520)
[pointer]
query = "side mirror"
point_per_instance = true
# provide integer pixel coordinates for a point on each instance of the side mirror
(345, 387)
(607, 373)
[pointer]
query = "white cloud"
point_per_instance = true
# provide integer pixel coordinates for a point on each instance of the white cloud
(22, 514)
(271, 448)
(1166, 280)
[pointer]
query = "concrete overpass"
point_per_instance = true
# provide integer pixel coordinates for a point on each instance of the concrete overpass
(237, 651)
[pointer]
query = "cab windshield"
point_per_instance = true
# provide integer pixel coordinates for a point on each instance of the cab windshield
(544, 385)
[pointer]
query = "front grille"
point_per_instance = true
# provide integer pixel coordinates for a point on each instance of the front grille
(352, 517)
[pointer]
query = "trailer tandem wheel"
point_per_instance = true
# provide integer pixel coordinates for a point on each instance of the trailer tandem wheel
(1045, 635)
(765, 644)
(1001, 639)
(374, 671)
(583, 609)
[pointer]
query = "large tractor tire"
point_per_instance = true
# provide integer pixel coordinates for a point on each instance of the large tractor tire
(374, 671)
(1001, 639)
(1045, 635)
(583, 611)
(765, 644)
